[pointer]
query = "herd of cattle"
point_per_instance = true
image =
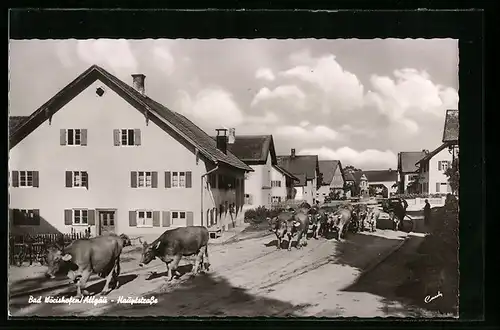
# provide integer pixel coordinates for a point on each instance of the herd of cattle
(322, 221)
(101, 255)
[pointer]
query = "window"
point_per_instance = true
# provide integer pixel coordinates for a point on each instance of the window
(275, 183)
(77, 179)
(443, 165)
(248, 199)
(142, 179)
(80, 217)
(26, 178)
(179, 218)
(144, 219)
(74, 137)
(178, 179)
(127, 137)
(26, 217)
(276, 199)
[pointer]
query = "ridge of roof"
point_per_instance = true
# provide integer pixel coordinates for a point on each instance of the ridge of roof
(434, 152)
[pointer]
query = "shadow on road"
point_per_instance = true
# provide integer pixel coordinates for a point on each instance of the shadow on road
(97, 287)
(184, 269)
(284, 244)
(206, 295)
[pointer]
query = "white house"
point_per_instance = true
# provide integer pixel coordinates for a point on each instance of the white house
(102, 156)
(332, 175)
(306, 169)
(283, 184)
(383, 181)
(407, 170)
(432, 169)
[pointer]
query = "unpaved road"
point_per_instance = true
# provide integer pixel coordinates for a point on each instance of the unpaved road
(247, 278)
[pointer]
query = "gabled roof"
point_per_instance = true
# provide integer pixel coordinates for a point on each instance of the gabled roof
(15, 121)
(377, 176)
(302, 180)
(304, 164)
(169, 120)
(253, 149)
(286, 173)
(327, 168)
(451, 126)
(349, 176)
(407, 159)
(434, 153)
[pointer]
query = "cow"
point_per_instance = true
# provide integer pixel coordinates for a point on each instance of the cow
(298, 226)
(320, 222)
(341, 220)
(81, 258)
(359, 214)
(278, 225)
(396, 209)
(173, 244)
(372, 218)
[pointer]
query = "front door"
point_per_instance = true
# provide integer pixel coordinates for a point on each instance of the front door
(106, 221)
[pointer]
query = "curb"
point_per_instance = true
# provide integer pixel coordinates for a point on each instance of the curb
(381, 260)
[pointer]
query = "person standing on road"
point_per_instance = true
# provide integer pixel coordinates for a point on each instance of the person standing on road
(427, 212)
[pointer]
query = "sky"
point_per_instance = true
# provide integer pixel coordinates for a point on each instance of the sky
(358, 101)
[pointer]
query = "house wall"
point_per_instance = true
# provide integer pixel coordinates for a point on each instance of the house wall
(301, 193)
(407, 179)
(434, 175)
(309, 192)
(337, 184)
(258, 184)
(278, 191)
(108, 166)
(387, 184)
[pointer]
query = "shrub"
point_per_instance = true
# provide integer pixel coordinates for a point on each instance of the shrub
(412, 196)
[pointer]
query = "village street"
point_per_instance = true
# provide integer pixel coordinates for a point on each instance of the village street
(251, 277)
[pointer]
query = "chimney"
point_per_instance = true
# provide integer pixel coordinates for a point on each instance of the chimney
(221, 139)
(138, 82)
(231, 136)
(292, 152)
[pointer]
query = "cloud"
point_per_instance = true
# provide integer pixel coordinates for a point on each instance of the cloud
(114, 55)
(164, 59)
(290, 93)
(369, 159)
(265, 74)
(411, 93)
(65, 53)
(212, 106)
(268, 118)
(311, 134)
(304, 123)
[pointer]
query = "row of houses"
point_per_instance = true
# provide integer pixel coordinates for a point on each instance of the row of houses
(102, 156)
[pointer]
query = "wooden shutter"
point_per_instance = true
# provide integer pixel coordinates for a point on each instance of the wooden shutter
(156, 218)
(189, 183)
(137, 137)
(69, 179)
(168, 180)
(36, 180)
(133, 179)
(83, 137)
(86, 176)
(132, 218)
(154, 179)
(166, 219)
(91, 217)
(36, 217)
(439, 165)
(437, 186)
(116, 137)
(62, 136)
(68, 217)
(11, 216)
(15, 178)
(189, 219)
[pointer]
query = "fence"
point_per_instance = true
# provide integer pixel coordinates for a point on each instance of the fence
(32, 248)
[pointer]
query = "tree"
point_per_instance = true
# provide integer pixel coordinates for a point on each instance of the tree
(350, 168)
(453, 175)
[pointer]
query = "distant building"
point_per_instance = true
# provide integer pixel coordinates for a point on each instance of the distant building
(407, 170)
(306, 169)
(332, 178)
(378, 179)
(283, 184)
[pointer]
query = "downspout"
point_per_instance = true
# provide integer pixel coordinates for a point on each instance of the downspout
(202, 186)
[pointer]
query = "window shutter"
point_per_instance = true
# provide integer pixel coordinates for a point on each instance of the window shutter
(36, 179)
(154, 179)
(69, 179)
(86, 176)
(68, 217)
(91, 217)
(137, 137)
(36, 217)
(439, 165)
(15, 178)
(62, 137)
(116, 137)
(156, 218)
(250, 199)
(188, 179)
(437, 186)
(166, 219)
(83, 137)
(133, 179)
(132, 218)
(189, 219)
(11, 216)
(168, 183)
